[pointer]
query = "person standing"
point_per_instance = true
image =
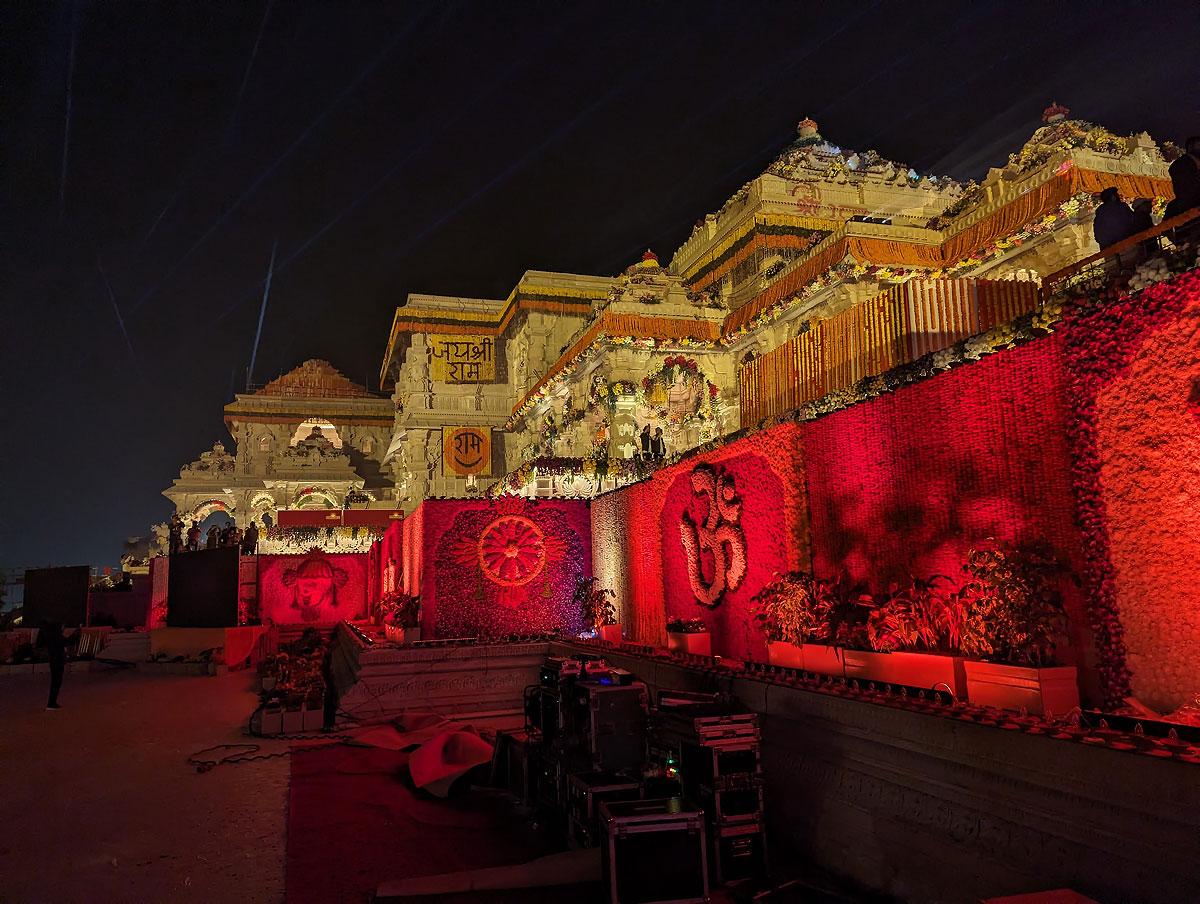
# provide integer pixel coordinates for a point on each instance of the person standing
(1185, 179)
(250, 540)
(658, 445)
(1114, 221)
(52, 638)
(213, 539)
(646, 441)
(193, 537)
(175, 534)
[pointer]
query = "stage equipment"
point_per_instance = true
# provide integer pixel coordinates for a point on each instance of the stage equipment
(585, 792)
(56, 594)
(610, 721)
(202, 589)
(516, 764)
(653, 852)
(716, 747)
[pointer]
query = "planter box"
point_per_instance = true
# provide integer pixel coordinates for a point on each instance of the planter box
(1040, 691)
(698, 643)
(823, 659)
(401, 635)
(611, 633)
(788, 655)
(922, 670)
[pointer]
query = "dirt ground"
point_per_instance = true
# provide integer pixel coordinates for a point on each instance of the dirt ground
(98, 804)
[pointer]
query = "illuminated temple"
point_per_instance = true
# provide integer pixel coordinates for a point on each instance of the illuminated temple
(874, 451)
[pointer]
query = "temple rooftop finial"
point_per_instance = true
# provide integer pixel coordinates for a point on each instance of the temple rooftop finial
(1054, 113)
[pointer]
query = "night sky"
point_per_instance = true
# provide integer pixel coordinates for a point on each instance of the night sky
(396, 147)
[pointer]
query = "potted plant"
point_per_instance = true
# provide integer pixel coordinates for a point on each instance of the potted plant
(1012, 618)
(913, 636)
(599, 613)
(402, 624)
(793, 610)
(689, 635)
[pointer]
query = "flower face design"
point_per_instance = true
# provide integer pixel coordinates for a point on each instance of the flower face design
(512, 551)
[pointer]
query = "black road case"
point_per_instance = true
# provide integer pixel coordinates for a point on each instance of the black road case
(585, 792)
(612, 721)
(722, 765)
(737, 852)
(654, 852)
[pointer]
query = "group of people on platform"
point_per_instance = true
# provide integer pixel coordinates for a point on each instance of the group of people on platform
(190, 539)
(1116, 221)
(653, 447)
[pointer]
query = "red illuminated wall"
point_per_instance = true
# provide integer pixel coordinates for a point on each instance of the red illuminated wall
(317, 588)
(639, 549)
(1135, 428)
(492, 569)
(906, 483)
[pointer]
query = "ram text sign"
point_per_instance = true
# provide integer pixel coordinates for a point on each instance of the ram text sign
(467, 450)
(464, 359)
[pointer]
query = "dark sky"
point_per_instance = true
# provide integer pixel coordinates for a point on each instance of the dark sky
(401, 147)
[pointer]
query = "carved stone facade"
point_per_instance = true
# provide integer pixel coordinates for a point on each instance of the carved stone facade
(308, 439)
(823, 230)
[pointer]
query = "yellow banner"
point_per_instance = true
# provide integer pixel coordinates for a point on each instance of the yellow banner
(464, 359)
(467, 450)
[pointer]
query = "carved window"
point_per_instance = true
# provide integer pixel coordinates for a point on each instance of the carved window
(264, 443)
(368, 446)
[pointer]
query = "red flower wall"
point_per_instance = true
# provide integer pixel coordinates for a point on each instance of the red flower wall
(645, 523)
(1087, 439)
(906, 483)
(509, 567)
(1135, 373)
(318, 588)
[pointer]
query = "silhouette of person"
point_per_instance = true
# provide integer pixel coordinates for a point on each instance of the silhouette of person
(1185, 179)
(250, 540)
(1114, 221)
(646, 442)
(658, 445)
(175, 534)
(213, 538)
(193, 537)
(52, 638)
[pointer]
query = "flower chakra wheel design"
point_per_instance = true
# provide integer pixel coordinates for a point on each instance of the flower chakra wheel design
(512, 551)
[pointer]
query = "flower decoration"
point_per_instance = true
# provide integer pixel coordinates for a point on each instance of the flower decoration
(512, 551)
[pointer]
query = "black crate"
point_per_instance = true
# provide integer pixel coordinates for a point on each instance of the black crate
(585, 792)
(703, 723)
(516, 764)
(737, 852)
(722, 764)
(731, 807)
(611, 721)
(654, 852)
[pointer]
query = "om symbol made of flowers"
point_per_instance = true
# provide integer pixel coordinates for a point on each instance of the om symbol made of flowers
(512, 551)
(719, 533)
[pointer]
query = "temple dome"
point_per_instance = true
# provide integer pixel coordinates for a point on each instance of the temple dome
(315, 379)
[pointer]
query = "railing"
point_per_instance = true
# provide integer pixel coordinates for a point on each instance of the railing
(1102, 258)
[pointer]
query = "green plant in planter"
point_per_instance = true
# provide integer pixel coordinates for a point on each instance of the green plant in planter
(596, 603)
(686, 626)
(403, 610)
(920, 615)
(796, 608)
(1012, 610)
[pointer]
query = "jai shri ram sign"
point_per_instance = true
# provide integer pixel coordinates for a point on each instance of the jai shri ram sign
(467, 450)
(464, 359)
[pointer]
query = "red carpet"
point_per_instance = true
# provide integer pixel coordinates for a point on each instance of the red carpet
(354, 821)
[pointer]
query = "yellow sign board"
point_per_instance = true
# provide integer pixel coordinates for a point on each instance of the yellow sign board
(464, 359)
(467, 450)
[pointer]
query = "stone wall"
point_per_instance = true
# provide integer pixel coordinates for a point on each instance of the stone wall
(935, 809)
